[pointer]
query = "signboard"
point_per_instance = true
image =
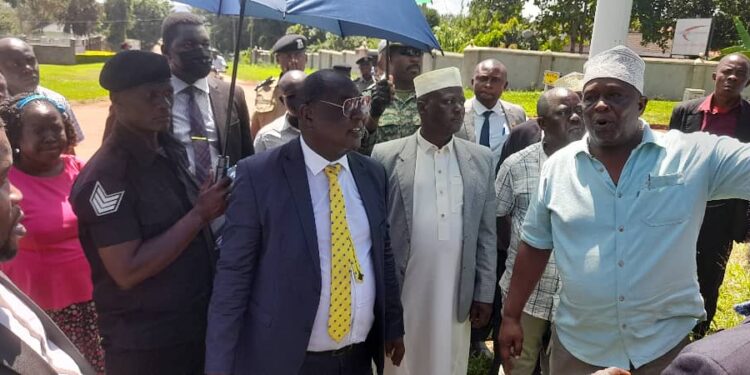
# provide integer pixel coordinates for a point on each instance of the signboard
(551, 77)
(691, 36)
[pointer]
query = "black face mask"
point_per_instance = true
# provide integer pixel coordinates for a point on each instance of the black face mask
(196, 62)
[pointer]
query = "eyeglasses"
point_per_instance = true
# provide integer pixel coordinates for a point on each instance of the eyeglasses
(352, 106)
(409, 51)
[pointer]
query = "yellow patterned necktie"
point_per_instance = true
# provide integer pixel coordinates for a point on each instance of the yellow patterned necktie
(343, 260)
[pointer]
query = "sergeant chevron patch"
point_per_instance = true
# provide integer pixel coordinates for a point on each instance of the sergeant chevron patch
(104, 203)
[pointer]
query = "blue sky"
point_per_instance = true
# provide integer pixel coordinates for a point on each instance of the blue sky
(454, 7)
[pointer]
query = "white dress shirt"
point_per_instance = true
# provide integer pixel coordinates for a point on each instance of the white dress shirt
(25, 324)
(363, 294)
(499, 127)
(181, 118)
(275, 134)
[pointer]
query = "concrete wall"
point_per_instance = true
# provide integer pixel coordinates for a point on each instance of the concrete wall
(665, 78)
(55, 54)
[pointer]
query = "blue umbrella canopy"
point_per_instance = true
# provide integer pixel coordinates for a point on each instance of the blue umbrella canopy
(394, 20)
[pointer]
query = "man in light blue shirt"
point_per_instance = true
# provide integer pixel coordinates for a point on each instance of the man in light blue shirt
(622, 208)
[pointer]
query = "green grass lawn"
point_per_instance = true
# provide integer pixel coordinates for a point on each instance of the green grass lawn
(75, 82)
(657, 112)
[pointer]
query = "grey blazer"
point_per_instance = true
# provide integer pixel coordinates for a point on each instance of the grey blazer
(479, 259)
(514, 113)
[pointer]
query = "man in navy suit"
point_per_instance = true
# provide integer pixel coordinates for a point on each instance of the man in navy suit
(282, 304)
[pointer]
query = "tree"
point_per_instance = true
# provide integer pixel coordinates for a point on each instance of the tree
(656, 19)
(431, 15)
(574, 18)
(319, 39)
(36, 14)
(81, 17)
(9, 24)
(147, 18)
(118, 20)
(266, 32)
(503, 10)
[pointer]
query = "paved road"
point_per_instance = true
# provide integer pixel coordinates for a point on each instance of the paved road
(92, 115)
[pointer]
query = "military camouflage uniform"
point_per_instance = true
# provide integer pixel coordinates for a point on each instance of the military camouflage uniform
(400, 119)
(267, 105)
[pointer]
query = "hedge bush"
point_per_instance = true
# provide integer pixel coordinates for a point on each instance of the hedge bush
(91, 57)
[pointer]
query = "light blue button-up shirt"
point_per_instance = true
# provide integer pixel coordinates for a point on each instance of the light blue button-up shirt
(626, 252)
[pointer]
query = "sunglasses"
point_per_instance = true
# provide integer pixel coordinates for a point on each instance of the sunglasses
(352, 106)
(409, 51)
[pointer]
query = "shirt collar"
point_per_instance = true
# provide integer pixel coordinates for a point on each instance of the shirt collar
(126, 138)
(287, 126)
(427, 147)
(178, 85)
(480, 109)
(649, 136)
(316, 163)
(708, 106)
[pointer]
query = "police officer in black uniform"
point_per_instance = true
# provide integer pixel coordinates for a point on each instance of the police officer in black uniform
(143, 224)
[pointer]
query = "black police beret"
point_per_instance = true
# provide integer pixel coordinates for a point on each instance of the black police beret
(132, 68)
(290, 43)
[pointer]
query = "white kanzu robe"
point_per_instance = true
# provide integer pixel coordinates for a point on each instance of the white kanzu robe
(436, 343)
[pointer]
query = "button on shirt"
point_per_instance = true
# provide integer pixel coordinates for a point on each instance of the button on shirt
(275, 134)
(363, 294)
(437, 175)
(499, 128)
(181, 118)
(626, 252)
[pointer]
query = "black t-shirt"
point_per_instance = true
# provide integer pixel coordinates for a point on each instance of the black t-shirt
(128, 192)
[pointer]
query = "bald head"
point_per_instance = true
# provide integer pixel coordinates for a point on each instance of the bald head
(559, 111)
(489, 81)
(19, 66)
(490, 64)
(290, 86)
(292, 79)
(551, 98)
(732, 75)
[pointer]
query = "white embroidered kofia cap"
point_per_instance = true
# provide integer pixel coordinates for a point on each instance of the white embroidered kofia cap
(619, 63)
(436, 80)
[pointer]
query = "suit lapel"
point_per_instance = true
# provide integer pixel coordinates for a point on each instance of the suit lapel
(218, 101)
(469, 128)
(470, 180)
(296, 176)
(52, 331)
(406, 166)
(369, 194)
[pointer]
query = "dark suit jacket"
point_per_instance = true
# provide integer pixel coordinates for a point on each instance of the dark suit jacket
(687, 118)
(723, 353)
(268, 282)
(240, 142)
(18, 358)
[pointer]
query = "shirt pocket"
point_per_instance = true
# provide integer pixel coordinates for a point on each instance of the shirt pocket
(662, 200)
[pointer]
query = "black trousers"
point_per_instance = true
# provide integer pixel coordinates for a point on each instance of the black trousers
(354, 360)
(181, 359)
(714, 247)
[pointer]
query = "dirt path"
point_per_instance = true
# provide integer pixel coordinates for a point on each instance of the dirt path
(92, 115)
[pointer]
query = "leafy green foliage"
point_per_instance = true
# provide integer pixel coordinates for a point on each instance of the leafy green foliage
(36, 14)
(656, 19)
(9, 23)
(148, 16)
(566, 21)
(320, 39)
(81, 17)
(743, 48)
(119, 18)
